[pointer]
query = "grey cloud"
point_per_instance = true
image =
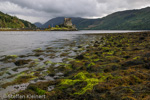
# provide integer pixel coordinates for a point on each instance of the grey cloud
(56, 6)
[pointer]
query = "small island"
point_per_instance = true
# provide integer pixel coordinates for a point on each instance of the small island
(66, 26)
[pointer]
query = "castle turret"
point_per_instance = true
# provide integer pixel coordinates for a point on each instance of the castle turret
(67, 22)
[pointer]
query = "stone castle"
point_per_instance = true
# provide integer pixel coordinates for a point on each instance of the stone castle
(68, 23)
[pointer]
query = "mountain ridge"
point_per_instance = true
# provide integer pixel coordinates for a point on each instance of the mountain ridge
(136, 19)
(38, 24)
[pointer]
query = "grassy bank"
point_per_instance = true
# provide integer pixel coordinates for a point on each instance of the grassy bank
(108, 67)
(61, 29)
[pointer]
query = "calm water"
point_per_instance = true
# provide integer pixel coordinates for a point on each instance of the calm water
(21, 42)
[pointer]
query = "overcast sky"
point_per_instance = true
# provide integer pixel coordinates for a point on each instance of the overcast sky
(43, 10)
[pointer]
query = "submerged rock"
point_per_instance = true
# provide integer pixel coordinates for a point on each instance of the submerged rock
(147, 65)
(134, 62)
(22, 62)
(80, 57)
(147, 55)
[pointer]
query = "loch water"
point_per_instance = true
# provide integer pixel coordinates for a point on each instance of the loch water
(18, 42)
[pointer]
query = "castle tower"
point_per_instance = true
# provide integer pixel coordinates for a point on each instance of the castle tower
(67, 22)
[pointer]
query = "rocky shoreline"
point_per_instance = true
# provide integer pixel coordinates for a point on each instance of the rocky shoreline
(111, 66)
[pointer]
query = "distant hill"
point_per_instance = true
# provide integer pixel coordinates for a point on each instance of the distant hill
(7, 21)
(53, 22)
(38, 24)
(79, 22)
(123, 20)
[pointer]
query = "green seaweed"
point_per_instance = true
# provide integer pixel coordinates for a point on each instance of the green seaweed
(8, 57)
(86, 77)
(12, 56)
(36, 60)
(91, 64)
(40, 91)
(48, 62)
(137, 57)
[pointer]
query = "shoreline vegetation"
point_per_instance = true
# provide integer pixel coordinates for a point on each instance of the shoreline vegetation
(38, 29)
(94, 67)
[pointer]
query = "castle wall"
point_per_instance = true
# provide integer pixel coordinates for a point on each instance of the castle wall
(67, 22)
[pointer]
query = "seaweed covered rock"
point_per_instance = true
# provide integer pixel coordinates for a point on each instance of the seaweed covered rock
(9, 58)
(22, 62)
(80, 57)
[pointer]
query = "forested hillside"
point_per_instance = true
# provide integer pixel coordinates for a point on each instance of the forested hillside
(7, 21)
